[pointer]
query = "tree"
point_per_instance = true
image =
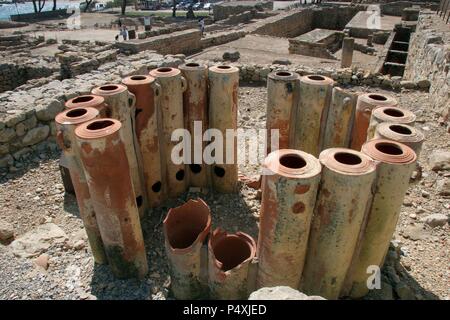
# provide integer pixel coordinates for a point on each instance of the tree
(174, 9)
(124, 6)
(88, 3)
(54, 5)
(39, 6)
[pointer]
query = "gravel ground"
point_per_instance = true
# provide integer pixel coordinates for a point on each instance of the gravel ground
(34, 196)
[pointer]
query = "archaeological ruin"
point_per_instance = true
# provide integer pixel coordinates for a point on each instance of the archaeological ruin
(287, 150)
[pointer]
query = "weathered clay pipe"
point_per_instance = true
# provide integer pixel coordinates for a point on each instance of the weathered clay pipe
(121, 106)
(338, 129)
(195, 103)
(230, 260)
(185, 231)
(223, 105)
(289, 189)
(66, 122)
(92, 101)
(364, 106)
(389, 114)
(342, 200)
(105, 160)
(171, 106)
(311, 113)
(146, 91)
(403, 133)
(395, 163)
(282, 93)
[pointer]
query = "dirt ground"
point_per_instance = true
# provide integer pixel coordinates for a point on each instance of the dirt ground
(34, 196)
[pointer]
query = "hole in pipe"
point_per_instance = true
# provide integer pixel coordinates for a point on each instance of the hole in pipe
(164, 69)
(400, 129)
(231, 252)
(100, 124)
(82, 99)
(347, 158)
(224, 67)
(388, 148)
(109, 87)
(156, 187)
(218, 171)
(316, 78)
(195, 168)
(184, 228)
(192, 64)
(393, 113)
(292, 161)
(76, 113)
(138, 78)
(378, 97)
(179, 175)
(139, 201)
(283, 74)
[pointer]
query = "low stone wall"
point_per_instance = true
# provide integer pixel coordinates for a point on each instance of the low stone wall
(221, 38)
(27, 116)
(169, 29)
(429, 58)
(187, 42)
(396, 8)
(317, 43)
(224, 10)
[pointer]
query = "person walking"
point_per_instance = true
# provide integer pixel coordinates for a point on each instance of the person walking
(201, 24)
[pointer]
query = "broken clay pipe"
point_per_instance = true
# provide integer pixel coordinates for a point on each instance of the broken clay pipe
(186, 229)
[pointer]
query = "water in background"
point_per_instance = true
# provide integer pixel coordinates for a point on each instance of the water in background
(6, 10)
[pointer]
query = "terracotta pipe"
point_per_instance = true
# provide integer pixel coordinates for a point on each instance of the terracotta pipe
(389, 114)
(195, 102)
(282, 93)
(105, 160)
(229, 264)
(146, 91)
(338, 128)
(311, 113)
(395, 163)
(223, 105)
(66, 122)
(402, 133)
(171, 107)
(364, 106)
(92, 101)
(122, 104)
(289, 190)
(186, 229)
(342, 201)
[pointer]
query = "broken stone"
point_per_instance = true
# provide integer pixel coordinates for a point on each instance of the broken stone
(6, 231)
(231, 55)
(436, 220)
(282, 61)
(42, 261)
(38, 240)
(415, 232)
(443, 187)
(439, 160)
(281, 293)
(36, 135)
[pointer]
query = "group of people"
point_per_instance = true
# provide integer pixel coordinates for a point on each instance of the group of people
(123, 31)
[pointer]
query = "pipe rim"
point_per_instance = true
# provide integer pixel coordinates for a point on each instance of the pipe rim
(75, 116)
(83, 132)
(283, 75)
(370, 98)
(138, 80)
(193, 66)
(317, 80)
(164, 72)
(331, 158)
(109, 89)
(404, 154)
(386, 131)
(224, 69)
(83, 101)
(382, 113)
(311, 167)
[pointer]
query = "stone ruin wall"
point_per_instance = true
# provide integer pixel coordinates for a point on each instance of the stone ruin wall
(429, 58)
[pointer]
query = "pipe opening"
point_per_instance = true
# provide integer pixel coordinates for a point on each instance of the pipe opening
(400, 129)
(195, 168)
(378, 97)
(389, 148)
(164, 69)
(316, 78)
(139, 201)
(110, 87)
(231, 252)
(156, 187)
(292, 161)
(179, 175)
(347, 158)
(100, 124)
(393, 113)
(82, 99)
(218, 171)
(283, 74)
(184, 227)
(76, 113)
(192, 64)
(224, 67)
(138, 78)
